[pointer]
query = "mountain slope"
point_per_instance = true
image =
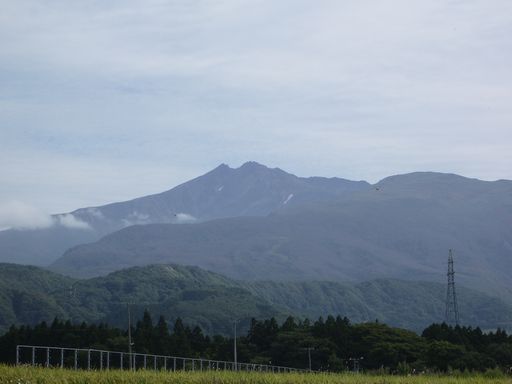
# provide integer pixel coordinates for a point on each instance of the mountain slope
(250, 190)
(197, 296)
(402, 228)
(411, 305)
(213, 301)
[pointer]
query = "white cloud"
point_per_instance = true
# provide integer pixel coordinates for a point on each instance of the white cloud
(18, 215)
(136, 218)
(69, 221)
(184, 218)
(95, 213)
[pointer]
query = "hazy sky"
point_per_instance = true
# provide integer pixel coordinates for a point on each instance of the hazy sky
(104, 100)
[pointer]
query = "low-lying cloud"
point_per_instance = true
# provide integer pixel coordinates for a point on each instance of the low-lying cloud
(136, 218)
(69, 221)
(19, 215)
(183, 218)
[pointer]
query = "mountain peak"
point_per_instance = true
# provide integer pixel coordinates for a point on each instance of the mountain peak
(221, 167)
(247, 166)
(252, 165)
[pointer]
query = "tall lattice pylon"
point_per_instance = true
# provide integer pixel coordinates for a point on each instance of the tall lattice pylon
(452, 309)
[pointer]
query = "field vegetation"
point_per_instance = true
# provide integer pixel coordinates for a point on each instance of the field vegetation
(27, 374)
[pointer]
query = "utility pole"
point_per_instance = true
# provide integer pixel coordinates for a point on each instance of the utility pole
(130, 338)
(234, 349)
(309, 349)
(452, 309)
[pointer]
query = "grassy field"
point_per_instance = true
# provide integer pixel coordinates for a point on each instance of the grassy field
(25, 375)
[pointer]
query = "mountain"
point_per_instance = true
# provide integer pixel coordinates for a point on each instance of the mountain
(400, 228)
(197, 296)
(29, 295)
(42, 246)
(404, 304)
(250, 190)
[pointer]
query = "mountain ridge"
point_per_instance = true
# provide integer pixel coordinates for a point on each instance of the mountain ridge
(249, 190)
(381, 231)
(212, 300)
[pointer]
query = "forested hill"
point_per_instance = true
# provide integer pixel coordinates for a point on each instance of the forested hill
(405, 304)
(197, 296)
(29, 295)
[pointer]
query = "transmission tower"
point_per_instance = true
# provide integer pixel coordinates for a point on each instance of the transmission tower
(452, 309)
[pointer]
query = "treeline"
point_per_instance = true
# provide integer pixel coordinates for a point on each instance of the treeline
(334, 344)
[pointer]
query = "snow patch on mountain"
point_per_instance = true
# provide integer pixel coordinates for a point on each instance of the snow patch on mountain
(290, 196)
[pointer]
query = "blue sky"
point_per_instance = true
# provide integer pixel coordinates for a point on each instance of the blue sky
(102, 101)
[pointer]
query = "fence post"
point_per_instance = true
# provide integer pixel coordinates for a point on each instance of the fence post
(47, 357)
(101, 360)
(62, 358)
(154, 362)
(88, 359)
(76, 359)
(165, 363)
(33, 356)
(17, 355)
(145, 361)
(121, 362)
(108, 360)
(174, 365)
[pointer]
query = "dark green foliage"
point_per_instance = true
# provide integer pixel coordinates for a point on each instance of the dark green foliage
(335, 342)
(404, 304)
(29, 295)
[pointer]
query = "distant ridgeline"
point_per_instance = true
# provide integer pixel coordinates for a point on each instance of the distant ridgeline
(334, 342)
(255, 223)
(29, 295)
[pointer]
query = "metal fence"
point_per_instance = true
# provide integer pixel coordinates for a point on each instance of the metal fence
(96, 359)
